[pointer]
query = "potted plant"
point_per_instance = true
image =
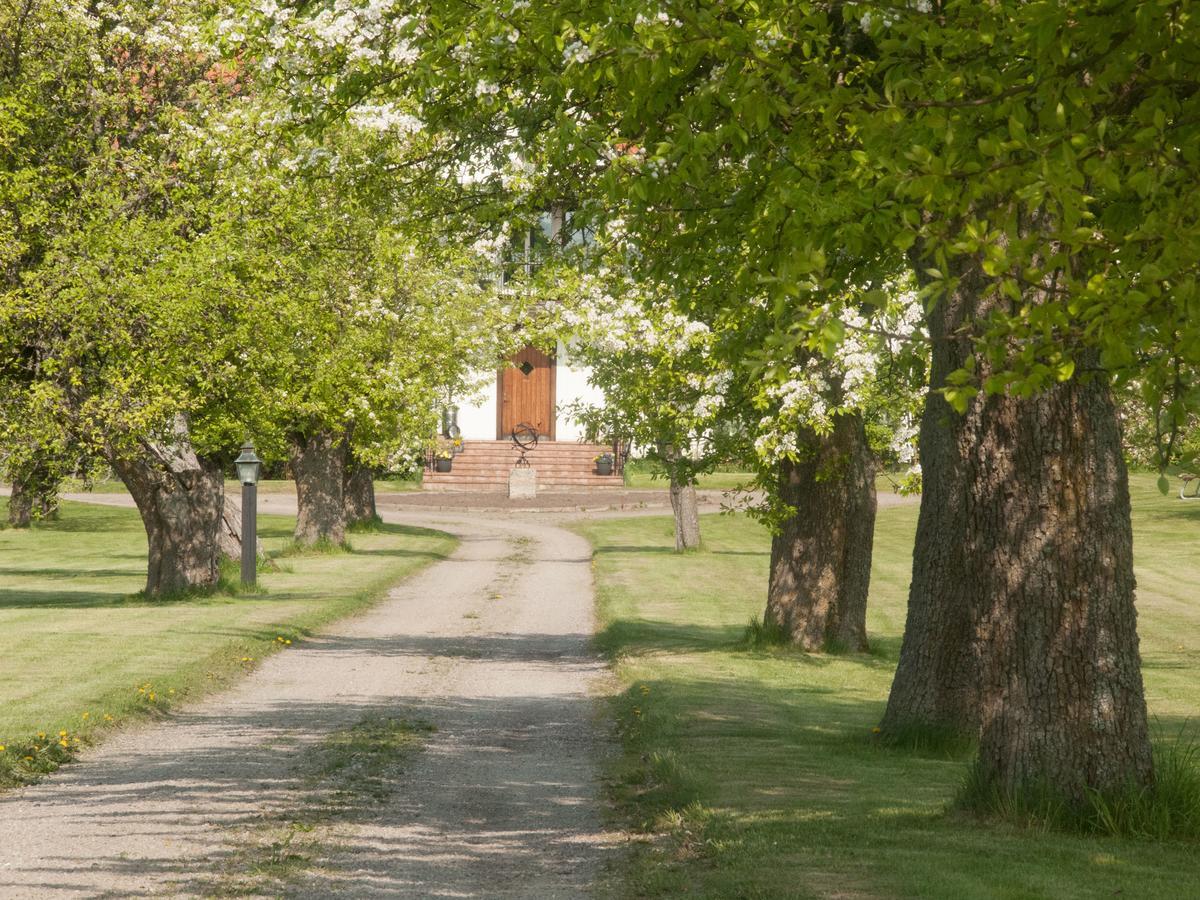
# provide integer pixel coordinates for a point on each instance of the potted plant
(604, 464)
(443, 460)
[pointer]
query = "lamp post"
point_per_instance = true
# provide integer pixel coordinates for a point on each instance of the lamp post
(248, 465)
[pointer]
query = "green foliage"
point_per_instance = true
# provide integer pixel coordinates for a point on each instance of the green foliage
(795, 151)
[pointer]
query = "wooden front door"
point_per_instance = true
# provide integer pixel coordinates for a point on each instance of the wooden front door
(526, 388)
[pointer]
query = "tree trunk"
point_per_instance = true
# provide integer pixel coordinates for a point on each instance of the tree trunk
(47, 506)
(35, 486)
(230, 533)
(1021, 623)
(179, 497)
(687, 514)
(359, 494)
(20, 505)
(936, 686)
(318, 465)
(1060, 681)
(821, 556)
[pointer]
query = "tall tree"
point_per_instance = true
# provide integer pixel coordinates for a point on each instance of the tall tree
(1035, 163)
(664, 389)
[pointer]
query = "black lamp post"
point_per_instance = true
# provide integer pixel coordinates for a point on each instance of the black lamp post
(248, 465)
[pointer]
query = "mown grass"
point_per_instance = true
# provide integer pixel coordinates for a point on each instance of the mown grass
(753, 770)
(648, 473)
(266, 486)
(81, 651)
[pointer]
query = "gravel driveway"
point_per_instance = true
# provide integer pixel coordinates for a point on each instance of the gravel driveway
(490, 647)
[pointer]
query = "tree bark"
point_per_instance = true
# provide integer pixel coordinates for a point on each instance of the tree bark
(687, 514)
(936, 686)
(20, 505)
(318, 466)
(179, 497)
(230, 533)
(821, 556)
(359, 494)
(1021, 623)
(1062, 703)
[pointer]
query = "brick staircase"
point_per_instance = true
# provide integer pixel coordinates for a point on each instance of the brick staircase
(560, 465)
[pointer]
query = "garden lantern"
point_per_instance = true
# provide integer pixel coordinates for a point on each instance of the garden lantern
(248, 466)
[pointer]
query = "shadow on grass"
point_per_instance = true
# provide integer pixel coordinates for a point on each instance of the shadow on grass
(607, 549)
(642, 636)
(401, 553)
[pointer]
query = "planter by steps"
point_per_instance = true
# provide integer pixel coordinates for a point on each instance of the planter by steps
(442, 465)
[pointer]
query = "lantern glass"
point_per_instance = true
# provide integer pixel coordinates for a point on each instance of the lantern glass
(248, 465)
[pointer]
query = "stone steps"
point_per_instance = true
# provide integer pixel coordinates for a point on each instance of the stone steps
(485, 466)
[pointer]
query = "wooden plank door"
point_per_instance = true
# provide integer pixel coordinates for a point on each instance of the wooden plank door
(526, 394)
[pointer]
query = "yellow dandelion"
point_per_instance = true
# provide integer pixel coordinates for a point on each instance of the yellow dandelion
(876, 730)
(171, 690)
(41, 735)
(29, 759)
(62, 734)
(86, 716)
(107, 717)
(152, 696)
(64, 743)
(1, 748)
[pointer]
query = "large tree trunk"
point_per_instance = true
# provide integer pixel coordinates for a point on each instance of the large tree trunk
(179, 497)
(1060, 680)
(687, 514)
(1021, 624)
(936, 686)
(20, 505)
(319, 465)
(821, 556)
(359, 494)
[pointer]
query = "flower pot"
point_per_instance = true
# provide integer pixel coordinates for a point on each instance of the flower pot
(604, 467)
(442, 465)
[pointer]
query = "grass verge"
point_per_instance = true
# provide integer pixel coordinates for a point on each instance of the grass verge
(753, 771)
(81, 651)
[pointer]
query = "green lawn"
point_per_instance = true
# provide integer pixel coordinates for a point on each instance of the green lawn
(268, 486)
(755, 773)
(77, 644)
(646, 473)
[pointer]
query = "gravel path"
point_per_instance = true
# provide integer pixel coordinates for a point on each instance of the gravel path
(490, 646)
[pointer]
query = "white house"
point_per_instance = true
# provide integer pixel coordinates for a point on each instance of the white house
(531, 389)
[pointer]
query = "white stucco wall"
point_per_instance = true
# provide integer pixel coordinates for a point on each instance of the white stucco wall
(571, 386)
(477, 414)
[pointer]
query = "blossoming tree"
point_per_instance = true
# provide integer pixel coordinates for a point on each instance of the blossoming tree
(665, 390)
